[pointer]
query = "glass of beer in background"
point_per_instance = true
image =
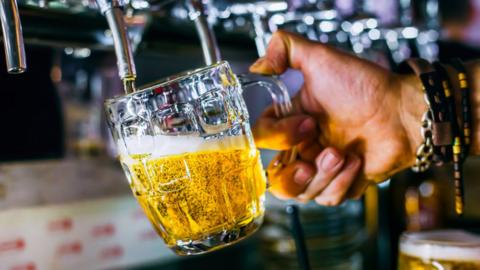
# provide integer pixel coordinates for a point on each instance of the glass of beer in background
(442, 250)
(187, 150)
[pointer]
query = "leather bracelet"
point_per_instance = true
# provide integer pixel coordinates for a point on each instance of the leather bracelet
(441, 126)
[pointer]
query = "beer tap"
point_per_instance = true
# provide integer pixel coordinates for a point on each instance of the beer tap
(113, 12)
(198, 14)
(12, 37)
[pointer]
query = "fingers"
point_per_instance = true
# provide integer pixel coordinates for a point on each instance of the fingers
(282, 134)
(335, 192)
(290, 181)
(328, 164)
(309, 150)
(332, 181)
(284, 50)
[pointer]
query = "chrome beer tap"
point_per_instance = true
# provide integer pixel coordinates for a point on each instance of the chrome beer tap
(12, 37)
(113, 12)
(198, 14)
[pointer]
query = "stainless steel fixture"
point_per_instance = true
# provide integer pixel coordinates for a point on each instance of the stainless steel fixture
(12, 37)
(112, 9)
(198, 14)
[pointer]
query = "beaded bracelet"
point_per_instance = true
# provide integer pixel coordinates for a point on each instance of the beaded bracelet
(458, 141)
(466, 104)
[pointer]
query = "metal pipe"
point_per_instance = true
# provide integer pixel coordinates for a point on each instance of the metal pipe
(112, 9)
(12, 37)
(211, 51)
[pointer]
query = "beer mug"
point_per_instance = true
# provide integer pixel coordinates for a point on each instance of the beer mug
(187, 150)
(445, 249)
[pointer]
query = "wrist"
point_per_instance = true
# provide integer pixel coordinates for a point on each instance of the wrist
(412, 106)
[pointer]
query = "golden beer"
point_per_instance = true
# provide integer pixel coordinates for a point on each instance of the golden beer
(452, 250)
(200, 195)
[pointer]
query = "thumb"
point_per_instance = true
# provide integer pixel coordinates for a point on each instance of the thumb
(285, 50)
(281, 134)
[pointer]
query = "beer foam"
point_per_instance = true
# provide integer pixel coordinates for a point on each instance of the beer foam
(161, 145)
(451, 245)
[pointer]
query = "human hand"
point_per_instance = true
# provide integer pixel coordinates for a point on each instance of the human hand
(354, 122)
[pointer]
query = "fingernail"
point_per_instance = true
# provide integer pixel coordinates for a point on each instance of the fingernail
(307, 125)
(330, 161)
(301, 177)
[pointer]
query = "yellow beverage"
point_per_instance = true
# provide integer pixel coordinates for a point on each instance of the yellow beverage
(406, 262)
(443, 249)
(212, 195)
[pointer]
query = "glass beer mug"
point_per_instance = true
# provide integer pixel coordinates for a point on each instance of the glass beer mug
(187, 150)
(439, 250)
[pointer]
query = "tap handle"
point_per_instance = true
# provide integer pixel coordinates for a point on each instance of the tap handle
(113, 12)
(211, 51)
(12, 37)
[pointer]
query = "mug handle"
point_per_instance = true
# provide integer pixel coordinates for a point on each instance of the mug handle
(281, 103)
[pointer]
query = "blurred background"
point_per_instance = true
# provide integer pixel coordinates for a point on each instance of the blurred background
(64, 200)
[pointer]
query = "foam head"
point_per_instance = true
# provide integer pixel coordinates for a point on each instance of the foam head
(451, 245)
(160, 145)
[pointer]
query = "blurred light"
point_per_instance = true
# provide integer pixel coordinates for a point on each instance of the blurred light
(384, 184)
(240, 21)
(260, 11)
(108, 33)
(357, 28)
(276, 7)
(56, 74)
(277, 19)
(398, 56)
(324, 38)
(432, 8)
(329, 14)
(358, 48)
(302, 28)
(432, 35)
(371, 23)
(68, 51)
(342, 36)
(228, 25)
(81, 53)
(239, 9)
(422, 39)
(391, 36)
(410, 32)
(140, 4)
(309, 20)
(426, 189)
(366, 41)
(180, 13)
(327, 26)
(346, 26)
(374, 34)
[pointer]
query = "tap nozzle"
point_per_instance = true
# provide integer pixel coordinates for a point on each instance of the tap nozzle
(12, 37)
(113, 12)
(211, 51)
